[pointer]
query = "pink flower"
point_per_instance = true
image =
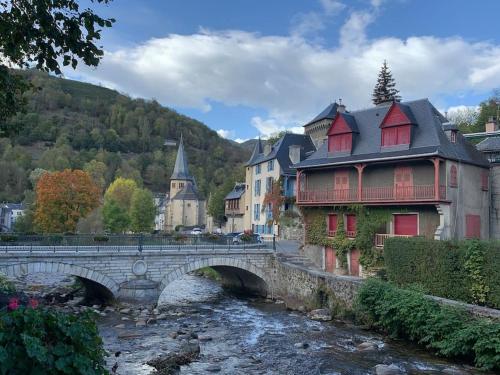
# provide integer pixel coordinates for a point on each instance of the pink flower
(33, 303)
(13, 303)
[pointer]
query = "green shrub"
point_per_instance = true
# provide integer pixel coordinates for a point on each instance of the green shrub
(101, 239)
(39, 341)
(8, 238)
(5, 285)
(449, 331)
(463, 270)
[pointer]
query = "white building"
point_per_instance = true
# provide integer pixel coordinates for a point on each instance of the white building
(9, 213)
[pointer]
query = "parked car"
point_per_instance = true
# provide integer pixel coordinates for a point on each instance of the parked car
(196, 231)
(239, 238)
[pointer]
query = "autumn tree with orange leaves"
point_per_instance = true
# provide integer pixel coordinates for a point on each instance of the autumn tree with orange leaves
(275, 199)
(62, 198)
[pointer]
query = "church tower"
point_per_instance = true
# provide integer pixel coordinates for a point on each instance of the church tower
(180, 177)
(185, 206)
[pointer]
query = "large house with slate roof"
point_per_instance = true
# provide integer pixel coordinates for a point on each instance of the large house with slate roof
(404, 156)
(270, 163)
(184, 205)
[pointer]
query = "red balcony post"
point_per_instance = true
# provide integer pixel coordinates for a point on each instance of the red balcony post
(436, 178)
(297, 185)
(360, 168)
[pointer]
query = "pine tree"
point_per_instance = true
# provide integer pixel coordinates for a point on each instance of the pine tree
(385, 89)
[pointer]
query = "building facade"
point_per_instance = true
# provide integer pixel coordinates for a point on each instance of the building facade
(267, 165)
(234, 208)
(184, 205)
(405, 158)
(9, 213)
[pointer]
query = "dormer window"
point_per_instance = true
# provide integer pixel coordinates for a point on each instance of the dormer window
(396, 126)
(340, 134)
(453, 136)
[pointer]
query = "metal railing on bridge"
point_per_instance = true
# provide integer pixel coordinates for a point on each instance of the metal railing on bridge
(127, 242)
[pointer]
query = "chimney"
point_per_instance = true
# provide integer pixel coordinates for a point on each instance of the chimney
(341, 107)
(294, 153)
(491, 125)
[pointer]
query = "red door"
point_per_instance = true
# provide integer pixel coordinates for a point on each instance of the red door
(330, 261)
(341, 187)
(403, 183)
(354, 262)
(406, 224)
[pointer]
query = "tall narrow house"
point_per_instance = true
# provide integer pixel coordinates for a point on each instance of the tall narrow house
(185, 206)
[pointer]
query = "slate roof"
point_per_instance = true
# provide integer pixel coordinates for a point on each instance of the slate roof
(328, 113)
(187, 193)
(491, 144)
(350, 121)
(280, 151)
(237, 192)
(257, 150)
(428, 138)
(181, 171)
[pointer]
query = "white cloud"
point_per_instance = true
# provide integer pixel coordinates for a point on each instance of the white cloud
(332, 6)
(241, 140)
(291, 78)
(270, 126)
(228, 134)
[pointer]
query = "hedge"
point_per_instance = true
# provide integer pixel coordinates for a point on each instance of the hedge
(448, 331)
(461, 270)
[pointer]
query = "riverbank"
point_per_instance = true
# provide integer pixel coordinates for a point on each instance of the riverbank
(247, 335)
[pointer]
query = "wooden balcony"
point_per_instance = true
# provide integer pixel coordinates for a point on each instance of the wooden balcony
(380, 238)
(382, 194)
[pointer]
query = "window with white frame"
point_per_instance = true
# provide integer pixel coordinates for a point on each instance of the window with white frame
(257, 169)
(270, 165)
(257, 188)
(256, 211)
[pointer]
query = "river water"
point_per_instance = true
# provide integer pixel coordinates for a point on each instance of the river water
(239, 335)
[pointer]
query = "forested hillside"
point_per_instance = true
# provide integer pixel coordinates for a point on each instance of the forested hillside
(69, 124)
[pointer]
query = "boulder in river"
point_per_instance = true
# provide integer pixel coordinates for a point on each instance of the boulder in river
(170, 362)
(388, 370)
(367, 346)
(323, 315)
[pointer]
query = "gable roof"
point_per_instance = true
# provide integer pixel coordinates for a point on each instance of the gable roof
(280, 151)
(181, 171)
(328, 113)
(188, 192)
(237, 192)
(398, 114)
(428, 138)
(347, 119)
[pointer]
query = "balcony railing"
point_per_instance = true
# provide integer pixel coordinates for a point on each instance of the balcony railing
(372, 194)
(380, 238)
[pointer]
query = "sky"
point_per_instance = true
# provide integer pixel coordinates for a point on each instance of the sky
(253, 68)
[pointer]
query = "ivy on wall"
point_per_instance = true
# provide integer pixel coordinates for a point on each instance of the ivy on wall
(368, 222)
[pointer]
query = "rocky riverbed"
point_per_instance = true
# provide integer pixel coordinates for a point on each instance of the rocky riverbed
(200, 329)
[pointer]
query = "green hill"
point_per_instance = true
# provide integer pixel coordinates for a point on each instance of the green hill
(68, 124)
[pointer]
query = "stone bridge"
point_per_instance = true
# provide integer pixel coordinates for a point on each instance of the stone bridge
(124, 272)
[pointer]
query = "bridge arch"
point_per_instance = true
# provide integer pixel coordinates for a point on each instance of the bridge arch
(22, 269)
(219, 264)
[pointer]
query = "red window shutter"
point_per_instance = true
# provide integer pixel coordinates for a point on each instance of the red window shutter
(351, 225)
(332, 224)
(484, 180)
(403, 137)
(453, 176)
(339, 142)
(406, 224)
(472, 226)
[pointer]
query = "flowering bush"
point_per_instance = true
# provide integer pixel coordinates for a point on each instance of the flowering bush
(41, 341)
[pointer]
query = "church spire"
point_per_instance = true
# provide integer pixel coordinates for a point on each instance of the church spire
(181, 171)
